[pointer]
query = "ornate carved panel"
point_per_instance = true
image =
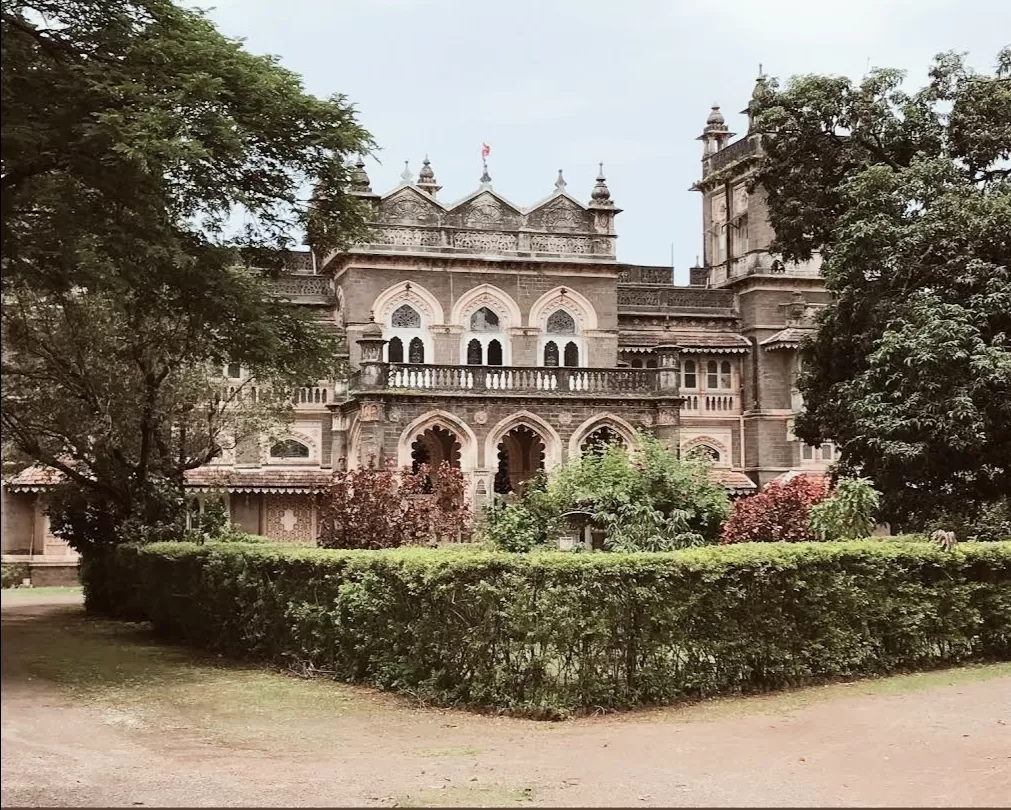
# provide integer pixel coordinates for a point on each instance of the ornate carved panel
(562, 215)
(560, 244)
(407, 206)
(405, 236)
(289, 517)
(485, 242)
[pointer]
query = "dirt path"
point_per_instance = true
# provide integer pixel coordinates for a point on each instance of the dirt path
(97, 713)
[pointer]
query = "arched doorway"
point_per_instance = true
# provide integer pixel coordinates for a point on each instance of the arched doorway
(520, 458)
(434, 446)
(600, 439)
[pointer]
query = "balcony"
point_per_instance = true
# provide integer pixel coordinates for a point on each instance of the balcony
(711, 405)
(525, 380)
(745, 147)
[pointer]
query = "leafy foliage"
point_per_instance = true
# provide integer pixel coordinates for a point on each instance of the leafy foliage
(13, 574)
(849, 512)
(133, 134)
(376, 507)
(646, 500)
(780, 513)
(907, 197)
(552, 632)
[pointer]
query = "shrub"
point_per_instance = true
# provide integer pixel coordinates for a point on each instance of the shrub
(646, 500)
(849, 512)
(982, 523)
(383, 507)
(13, 574)
(558, 632)
(779, 513)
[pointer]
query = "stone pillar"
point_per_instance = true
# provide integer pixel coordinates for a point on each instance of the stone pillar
(668, 395)
(373, 372)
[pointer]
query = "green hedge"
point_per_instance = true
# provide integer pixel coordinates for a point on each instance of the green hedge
(550, 632)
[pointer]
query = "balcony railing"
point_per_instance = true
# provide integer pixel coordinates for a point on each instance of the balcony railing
(523, 380)
(710, 404)
(303, 398)
(745, 147)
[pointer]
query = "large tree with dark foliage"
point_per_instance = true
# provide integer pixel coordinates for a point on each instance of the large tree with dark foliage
(907, 196)
(134, 136)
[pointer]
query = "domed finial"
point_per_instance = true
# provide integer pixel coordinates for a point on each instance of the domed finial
(601, 194)
(715, 118)
(560, 183)
(359, 180)
(426, 178)
(406, 177)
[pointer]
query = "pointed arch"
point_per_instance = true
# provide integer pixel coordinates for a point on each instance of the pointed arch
(408, 293)
(705, 444)
(447, 421)
(609, 420)
(573, 302)
(552, 441)
(492, 297)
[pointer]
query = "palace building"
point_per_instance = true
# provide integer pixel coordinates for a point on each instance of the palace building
(505, 338)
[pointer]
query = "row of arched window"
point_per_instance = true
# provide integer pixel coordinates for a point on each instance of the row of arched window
(484, 343)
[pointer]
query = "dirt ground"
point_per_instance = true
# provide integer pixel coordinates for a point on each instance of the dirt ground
(98, 713)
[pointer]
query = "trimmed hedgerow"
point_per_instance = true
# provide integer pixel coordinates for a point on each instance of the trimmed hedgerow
(552, 632)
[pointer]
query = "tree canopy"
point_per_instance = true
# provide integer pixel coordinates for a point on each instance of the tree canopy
(134, 137)
(906, 195)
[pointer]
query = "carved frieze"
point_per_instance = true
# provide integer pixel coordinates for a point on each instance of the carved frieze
(484, 241)
(405, 236)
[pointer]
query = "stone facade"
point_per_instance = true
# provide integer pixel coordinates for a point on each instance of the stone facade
(504, 338)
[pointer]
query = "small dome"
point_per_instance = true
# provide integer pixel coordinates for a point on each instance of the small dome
(715, 116)
(426, 175)
(372, 329)
(601, 193)
(359, 179)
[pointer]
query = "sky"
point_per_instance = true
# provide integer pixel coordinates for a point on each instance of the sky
(566, 84)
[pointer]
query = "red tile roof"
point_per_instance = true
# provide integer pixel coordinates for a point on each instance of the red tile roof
(689, 341)
(732, 480)
(268, 479)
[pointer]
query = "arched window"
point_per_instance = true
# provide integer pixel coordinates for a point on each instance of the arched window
(406, 335)
(689, 375)
(494, 353)
(705, 452)
(718, 375)
(395, 350)
(475, 353)
(561, 322)
(651, 363)
(571, 354)
(636, 362)
(289, 448)
(234, 371)
(551, 353)
(725, 375)
(484, 320)
(405, 317)
(415, 351)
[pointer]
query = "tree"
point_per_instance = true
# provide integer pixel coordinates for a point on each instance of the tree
(780, 513)
(384, 507)
(133, 134)
(907, 197)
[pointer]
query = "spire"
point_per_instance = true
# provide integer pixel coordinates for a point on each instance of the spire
(560, 183)
(406, 177)
(426, 178)
(485, 177)
(359, 180)
(760, 89)
(601, 194)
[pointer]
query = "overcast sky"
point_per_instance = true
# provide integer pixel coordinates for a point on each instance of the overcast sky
(567, 83)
